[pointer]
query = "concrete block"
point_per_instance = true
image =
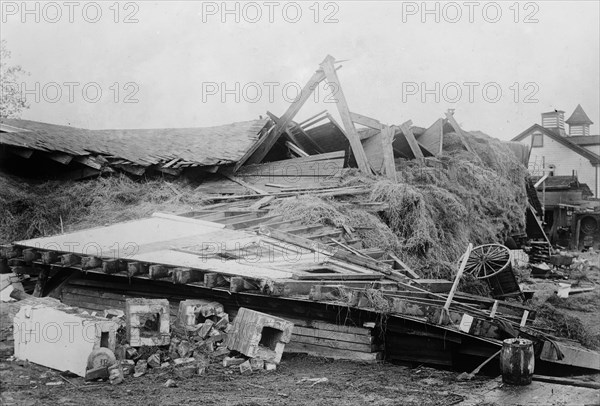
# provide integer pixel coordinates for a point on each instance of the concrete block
(60, 338)
(205, 329)
(259, 335)
(222, 323)
(147, 322)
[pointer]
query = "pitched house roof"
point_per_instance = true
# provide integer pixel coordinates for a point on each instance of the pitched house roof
(594, 158)
(579, 117)
(563, 183)
(585, 140)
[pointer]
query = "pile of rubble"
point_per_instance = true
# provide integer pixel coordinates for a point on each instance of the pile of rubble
(143, 338)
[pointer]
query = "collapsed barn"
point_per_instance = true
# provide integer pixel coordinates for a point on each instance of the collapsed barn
(358, 233)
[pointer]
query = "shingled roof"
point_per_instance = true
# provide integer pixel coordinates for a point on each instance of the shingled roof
(585, 140)
(579, 117)
(208, 146)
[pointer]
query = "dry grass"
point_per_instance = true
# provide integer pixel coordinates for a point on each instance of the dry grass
(433, 211)
(34, 210)
(584, 302)
(329, 212)
(564, 325)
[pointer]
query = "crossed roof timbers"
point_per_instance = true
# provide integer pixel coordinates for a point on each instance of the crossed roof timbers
(381, 140)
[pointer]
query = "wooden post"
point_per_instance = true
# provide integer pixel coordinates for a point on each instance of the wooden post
(342, 105)
(214, 280)
(158, 271)
(90, 262)
(263, 147)
(494, 309)
(387, 137)
(41, 282)
(459, 131)
(524, 318)
(410, 137)
(463, 264)
(577, 232)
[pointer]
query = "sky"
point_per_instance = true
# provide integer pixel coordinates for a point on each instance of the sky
(146, 64)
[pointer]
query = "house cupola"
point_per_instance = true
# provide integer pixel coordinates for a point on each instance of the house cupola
(579, 122)
(554, 120)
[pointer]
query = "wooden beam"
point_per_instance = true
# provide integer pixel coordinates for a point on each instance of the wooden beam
(170, 171)
(463, 264)
(342, 105)
(30, 255)
(136, 268)
(264, 145)
(131, 168)
(245, 184)
(60, 157)
(414, 145)
(90, 262)
(186, 275)
(70, 259)
(366, 121)
(461, 134)
(214, 280)
(240, 284)
(110, 266)
(295, 149)
(41, 282)
(22, 152)
(49, 257)
(325, 249)
(158, 271)
(405, 267)
(389, 165)
(321, 114)
(88, 161)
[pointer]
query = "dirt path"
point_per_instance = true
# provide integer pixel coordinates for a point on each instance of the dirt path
(347, 383)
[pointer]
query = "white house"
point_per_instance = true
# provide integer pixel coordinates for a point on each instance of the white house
(557, 153)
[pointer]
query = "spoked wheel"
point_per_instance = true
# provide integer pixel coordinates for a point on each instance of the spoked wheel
(487, 260)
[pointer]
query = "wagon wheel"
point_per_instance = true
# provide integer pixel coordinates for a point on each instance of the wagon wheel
(487, 260)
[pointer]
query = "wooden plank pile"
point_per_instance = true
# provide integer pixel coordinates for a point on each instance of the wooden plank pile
(336, 341)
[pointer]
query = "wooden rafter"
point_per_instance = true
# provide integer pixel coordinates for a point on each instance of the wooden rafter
(342, 105)
(267, 141)
(387, 137)
(412, 142)
(461, 134)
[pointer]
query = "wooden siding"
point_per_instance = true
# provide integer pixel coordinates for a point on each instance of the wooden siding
(565, 160)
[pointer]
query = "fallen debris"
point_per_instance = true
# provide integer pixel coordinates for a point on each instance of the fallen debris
(259, 335)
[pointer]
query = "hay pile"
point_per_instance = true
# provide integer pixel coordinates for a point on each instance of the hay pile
(561, 324)
(314, 210)
(34, 210)
(434, 210)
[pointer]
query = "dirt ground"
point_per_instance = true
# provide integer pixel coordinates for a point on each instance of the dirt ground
(348, 383)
